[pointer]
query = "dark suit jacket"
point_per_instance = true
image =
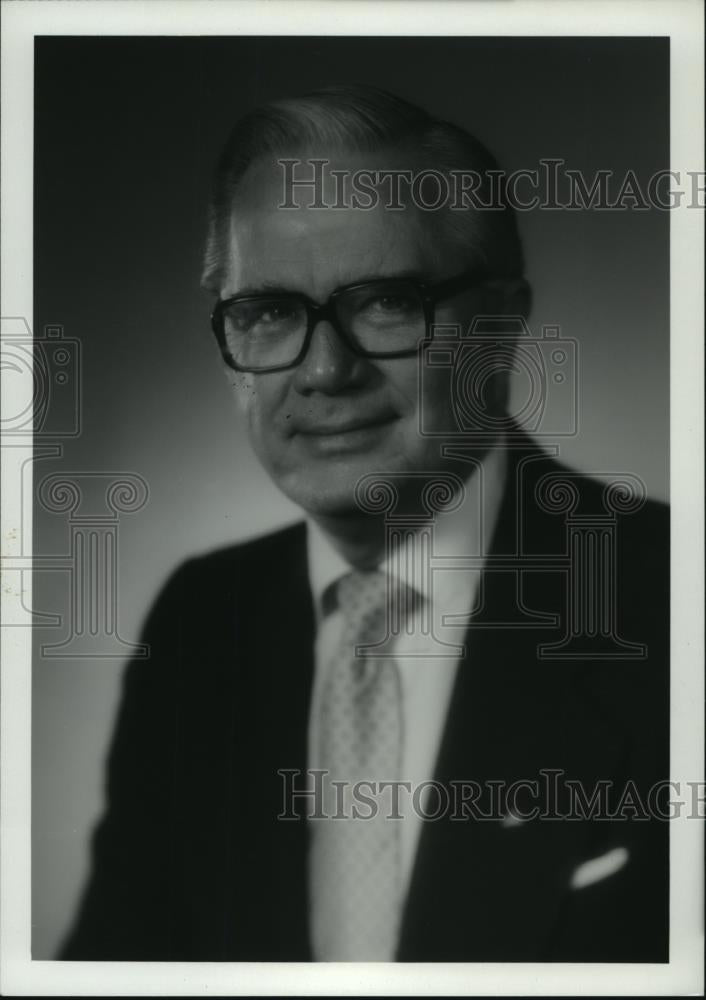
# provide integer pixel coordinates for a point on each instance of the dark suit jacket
(190, 861)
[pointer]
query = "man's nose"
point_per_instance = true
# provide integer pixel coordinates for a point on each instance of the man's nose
(329, 365)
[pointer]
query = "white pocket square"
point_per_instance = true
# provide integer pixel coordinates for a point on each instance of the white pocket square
(599, 868)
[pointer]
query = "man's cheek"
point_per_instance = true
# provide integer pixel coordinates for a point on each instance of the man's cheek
(435, 406)
(265, 440)
(252, 406)
(249, 404)
(244, 385)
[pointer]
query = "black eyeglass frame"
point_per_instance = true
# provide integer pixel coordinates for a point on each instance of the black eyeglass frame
(429, 295)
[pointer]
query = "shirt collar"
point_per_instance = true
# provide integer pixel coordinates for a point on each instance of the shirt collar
(464, 531)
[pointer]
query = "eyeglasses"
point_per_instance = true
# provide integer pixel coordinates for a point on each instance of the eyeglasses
(385, 318)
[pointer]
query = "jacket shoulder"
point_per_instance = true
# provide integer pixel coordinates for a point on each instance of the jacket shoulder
(226, 563)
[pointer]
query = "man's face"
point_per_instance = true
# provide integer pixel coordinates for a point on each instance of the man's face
(319, 427)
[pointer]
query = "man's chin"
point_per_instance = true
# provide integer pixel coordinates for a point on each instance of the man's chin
(326, 488)
(328, 501)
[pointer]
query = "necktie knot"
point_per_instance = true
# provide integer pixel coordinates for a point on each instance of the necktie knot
(374, 604)
(361, 593)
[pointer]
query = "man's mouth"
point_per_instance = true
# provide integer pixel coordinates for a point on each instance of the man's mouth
(354, 433)
(333, 428)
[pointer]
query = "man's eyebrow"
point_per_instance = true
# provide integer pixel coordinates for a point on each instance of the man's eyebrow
(276, 288)
(414, 273)
(266, 288)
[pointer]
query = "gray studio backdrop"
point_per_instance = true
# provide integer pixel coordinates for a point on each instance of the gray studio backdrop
(126, 134)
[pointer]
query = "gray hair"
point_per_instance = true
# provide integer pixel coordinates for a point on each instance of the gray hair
(363, 119)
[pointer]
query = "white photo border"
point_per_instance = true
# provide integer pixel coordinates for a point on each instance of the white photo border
(681, 20)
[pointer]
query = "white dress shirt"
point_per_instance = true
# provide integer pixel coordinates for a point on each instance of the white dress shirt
(427, 681)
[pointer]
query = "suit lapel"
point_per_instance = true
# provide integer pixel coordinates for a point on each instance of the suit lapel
(276, 670)
(486, 889)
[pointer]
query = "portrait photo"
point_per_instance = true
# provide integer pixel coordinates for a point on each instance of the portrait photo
(354, 526)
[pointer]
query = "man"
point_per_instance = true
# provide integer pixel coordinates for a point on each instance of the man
(363, 651)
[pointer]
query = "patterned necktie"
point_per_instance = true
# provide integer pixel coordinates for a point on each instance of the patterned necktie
(355, 862)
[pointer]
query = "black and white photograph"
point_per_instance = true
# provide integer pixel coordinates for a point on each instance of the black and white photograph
(352, 529)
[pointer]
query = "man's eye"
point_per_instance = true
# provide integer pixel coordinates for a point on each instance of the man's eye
(256, 317)
(392, 303)
(271, 314)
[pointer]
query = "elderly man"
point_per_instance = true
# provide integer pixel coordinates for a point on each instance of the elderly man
(351, 738)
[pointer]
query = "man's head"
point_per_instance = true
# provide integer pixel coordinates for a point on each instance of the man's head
(321, 424)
